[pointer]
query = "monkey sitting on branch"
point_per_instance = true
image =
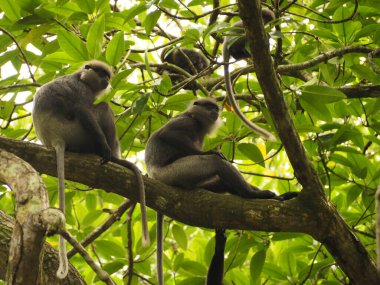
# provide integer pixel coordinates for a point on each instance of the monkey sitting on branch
(66, 118)
(191, 61)
(174, 156)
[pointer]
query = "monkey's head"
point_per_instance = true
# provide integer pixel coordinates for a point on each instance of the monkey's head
(96, 75)
(206, 112)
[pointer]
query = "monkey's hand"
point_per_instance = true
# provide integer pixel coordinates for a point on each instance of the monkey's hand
(106, 154)
(218, 153)
(288, 195)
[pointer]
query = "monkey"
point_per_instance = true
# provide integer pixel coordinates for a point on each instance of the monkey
(174, 155)
(191, 61)
(377, 198)
(237, 49)
(66, 119)
(237, 44)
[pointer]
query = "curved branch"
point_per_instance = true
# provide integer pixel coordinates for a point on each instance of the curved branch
(21, 51)
(196, 207)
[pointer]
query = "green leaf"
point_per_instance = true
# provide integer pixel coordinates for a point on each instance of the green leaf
(256, 266)
(316, 109)
(322, 94)
(91, 201)
(115, 49)
(11, 9)
(72, 45)
(109, 248)
(180, 236)
(195, 268)
(134, 11)
(179, 102)
(252, 152)
(151, 21)
(95, 37)
(87, 6)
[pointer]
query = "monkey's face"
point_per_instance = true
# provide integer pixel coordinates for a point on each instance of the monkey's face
(206, 111)
(97, 78)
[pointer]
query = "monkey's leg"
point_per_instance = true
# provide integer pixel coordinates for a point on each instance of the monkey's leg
(59, 147)
(215, 272)
(160, 248)
(196, 170)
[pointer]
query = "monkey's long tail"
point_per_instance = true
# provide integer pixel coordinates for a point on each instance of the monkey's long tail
(160, 248)
(230, 93)
(63, 268)
(141, 187)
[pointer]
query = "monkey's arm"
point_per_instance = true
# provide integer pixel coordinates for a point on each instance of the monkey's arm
(88, 121)
(180, 140)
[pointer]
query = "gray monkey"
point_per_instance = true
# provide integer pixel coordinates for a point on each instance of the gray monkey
(66, 118)
(174, 156)
(192, 61)
(237, 48)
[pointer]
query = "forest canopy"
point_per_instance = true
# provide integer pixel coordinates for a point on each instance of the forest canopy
(312, 80)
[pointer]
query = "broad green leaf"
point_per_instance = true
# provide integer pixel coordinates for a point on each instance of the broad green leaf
(61, 57)
(134, 11)
(180, 236)
(192, 281)
(11, 9)
(191, 36)
(163, 83)
(256, 266)
(321, 94)
(95, 37)
(139, 104)
(6, 108)
(72, 45)
(115, 49)
(108, 248)
(91, 217)
(91, 201)
(179, 102)
(195, 268)
(151, 21)
(316, 109)
(87, 6)
(28, 5)
(252, 152)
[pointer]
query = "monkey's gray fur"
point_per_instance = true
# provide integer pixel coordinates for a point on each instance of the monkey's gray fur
(66, 118)
(174, 156)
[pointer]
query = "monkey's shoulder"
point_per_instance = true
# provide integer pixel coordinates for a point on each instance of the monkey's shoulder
(68, 87)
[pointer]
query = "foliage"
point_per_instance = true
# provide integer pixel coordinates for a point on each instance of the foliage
(43, 39)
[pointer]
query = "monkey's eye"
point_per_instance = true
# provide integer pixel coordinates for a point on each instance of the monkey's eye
(87, 67)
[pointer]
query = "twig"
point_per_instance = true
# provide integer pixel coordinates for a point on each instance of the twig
(102, 274)
(21, 51)
(102, 228)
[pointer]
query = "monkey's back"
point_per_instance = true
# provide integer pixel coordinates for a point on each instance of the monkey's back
(55, 119)
(176, 139)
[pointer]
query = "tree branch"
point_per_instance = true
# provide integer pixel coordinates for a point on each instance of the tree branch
(349, 253)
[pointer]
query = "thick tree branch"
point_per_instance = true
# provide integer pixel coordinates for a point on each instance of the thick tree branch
(349, 253)
(196, 207)
(50, 257)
